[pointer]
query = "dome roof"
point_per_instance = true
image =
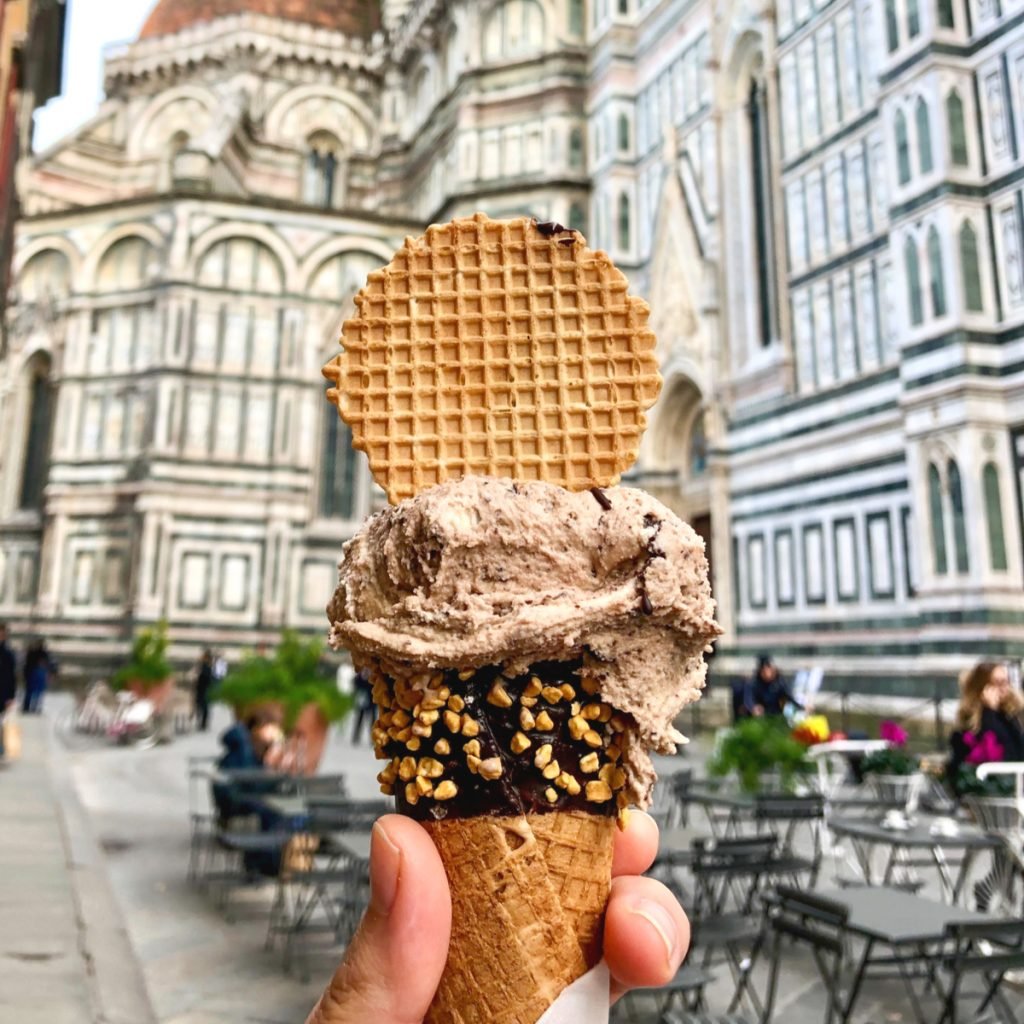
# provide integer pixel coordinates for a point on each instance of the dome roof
(353, 17)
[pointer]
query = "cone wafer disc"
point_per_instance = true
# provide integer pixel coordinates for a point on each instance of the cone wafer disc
(501, 348)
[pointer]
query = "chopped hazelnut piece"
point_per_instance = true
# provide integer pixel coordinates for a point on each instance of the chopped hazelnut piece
(526, 719)
(606, 713)
(388, 775)
(572, 785)
(551, 794)
(598, 792)
(472, 747)
(401, 718)
(446, 790)
(589, 764)
(552, 694)
(528, 702)
(420, 729)
(442, 747)
(452, 721)
(543, 756)
(552, 771)
(615, 777)
(575, 708)
(428, 717)
(592, 739)
(613, 752)
(412, 794)
(456, 703)
(533, 687)
(387, 789)
(589, 685)
(473, 762)
(491, 768)
(402, 735)
(424, 786)
(413, 744)
(592, 712)
(407, 769)
(568, 692)
(520, 743)
(466, 674)
(431, 767)
(470, 726)
(499, 697)
(578, 727)
(544, 722)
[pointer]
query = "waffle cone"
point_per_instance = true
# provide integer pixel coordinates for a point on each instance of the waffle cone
(528, 895)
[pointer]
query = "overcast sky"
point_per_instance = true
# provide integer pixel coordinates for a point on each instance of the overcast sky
(92, 25)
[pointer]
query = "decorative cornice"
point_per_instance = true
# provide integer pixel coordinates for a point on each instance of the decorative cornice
(252, 35)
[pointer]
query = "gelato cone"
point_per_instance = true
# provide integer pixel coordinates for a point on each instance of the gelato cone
(530, 630)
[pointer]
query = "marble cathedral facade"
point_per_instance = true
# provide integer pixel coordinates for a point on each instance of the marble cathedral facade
(821, 201)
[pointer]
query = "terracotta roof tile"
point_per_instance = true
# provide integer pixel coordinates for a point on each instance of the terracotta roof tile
(353, 17)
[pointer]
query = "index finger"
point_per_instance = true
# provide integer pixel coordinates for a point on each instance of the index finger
(636, 846)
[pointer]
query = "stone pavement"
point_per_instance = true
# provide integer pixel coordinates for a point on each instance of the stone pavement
(198, 968)
(65, 957)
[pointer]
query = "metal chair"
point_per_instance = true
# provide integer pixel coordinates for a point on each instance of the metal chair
(321, 785)
(1002, 818)
(202, 818)
(821, 923)
(988, 949)
(784, 815)
(679, 784)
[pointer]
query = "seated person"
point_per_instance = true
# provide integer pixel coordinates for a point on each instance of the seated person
(766, 694)
(254, 743)
(989, 720)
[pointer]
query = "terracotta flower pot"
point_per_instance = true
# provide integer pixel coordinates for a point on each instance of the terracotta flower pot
(159, 693)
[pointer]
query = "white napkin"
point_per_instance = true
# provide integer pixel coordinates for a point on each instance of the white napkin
(586, 1001)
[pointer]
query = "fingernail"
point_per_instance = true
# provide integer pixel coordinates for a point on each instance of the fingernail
(661, 921)
(385, 867)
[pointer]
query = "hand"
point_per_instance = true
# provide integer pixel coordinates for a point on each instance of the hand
(390, 974)
(758, 711)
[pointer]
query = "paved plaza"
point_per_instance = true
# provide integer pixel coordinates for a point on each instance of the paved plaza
(101, 925)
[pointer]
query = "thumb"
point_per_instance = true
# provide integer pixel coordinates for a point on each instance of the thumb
(394, 963)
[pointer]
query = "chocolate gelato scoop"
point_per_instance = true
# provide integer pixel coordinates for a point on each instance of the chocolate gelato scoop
(482, 582)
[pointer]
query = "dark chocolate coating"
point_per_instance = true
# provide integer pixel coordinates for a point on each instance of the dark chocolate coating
(521, 787)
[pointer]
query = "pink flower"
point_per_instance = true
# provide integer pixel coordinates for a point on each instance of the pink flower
(894, 734)
(983, 748)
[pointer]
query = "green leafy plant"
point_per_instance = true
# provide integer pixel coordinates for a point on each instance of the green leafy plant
(148, 664)
(755, 746)
(968, 783)
(893, 761)
(290, 678)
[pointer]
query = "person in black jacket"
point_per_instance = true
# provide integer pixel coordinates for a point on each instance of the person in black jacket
(990, 719)
(8, 680)
(204, 683)
(766, 694)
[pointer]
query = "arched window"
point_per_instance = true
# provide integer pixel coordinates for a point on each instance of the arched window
(915, 301)
(623, 133)
(958, 153)
(623, 6)
(577, 218)
(946, 16)
(126, 266)
(924, 136)
(994, 517)
(970, 269)
(625, 222)
(47, 275)
(913, 19)
(698, 453)
(337, 468)
(321, 169)
(761, 181)
(576, 17)
(576, 149)
(938, 521)
(514, 29)
(936, 275)
(902, 149)
(956, 501)
(892, 26)
(36, 465)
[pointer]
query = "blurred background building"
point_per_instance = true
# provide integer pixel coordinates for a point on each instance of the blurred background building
(820, 201)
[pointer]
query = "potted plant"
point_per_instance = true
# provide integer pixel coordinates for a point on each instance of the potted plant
(291, 682)
(893, 774)
(148, 673)
(755, 750)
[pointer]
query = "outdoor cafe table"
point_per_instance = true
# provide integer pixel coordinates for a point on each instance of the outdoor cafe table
(866, 834)
(293, 813)
(910, 926)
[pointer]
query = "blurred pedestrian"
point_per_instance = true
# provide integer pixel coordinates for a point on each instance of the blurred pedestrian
(364, 704)
(36, 673)
(8, 680)
(204, 683)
